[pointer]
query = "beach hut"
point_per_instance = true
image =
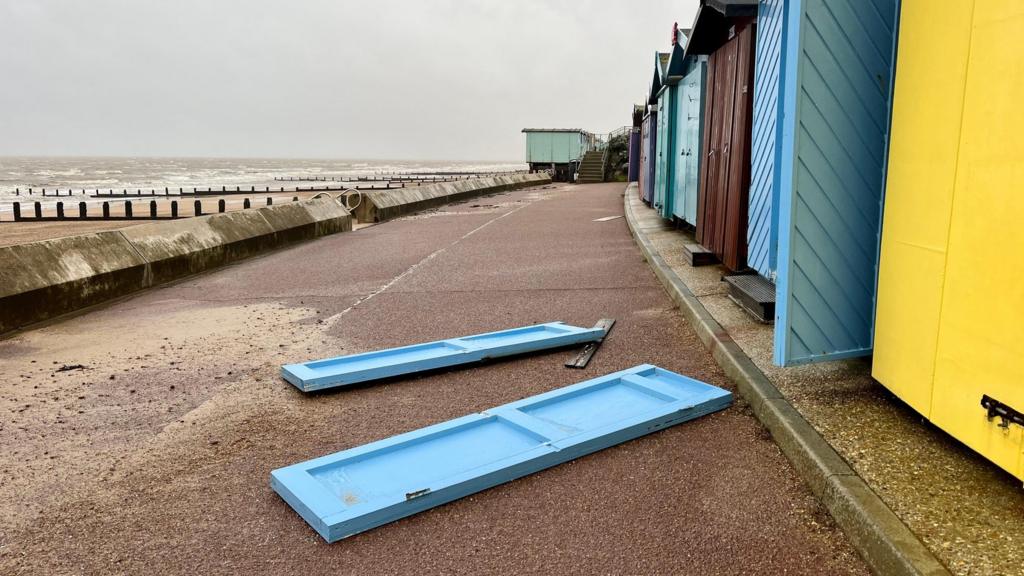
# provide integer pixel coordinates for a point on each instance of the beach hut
(557, 149)
(724, 32)
(949, 325)
(822, 93)
(664, 142)
(679, 115)
(649, 132)
(633, 173)
(685, 78)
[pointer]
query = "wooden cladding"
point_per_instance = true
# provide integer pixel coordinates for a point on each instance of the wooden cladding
(725, 172)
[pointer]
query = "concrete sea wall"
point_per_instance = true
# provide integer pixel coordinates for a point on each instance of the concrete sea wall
(381, 205)
(42, 280)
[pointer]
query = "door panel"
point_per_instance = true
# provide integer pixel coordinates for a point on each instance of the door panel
(725, 177)
(737, 194)
(693, 100)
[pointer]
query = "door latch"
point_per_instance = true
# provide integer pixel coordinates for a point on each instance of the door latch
(1006, 414)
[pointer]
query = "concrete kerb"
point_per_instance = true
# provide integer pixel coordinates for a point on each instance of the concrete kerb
(46, 279)
(885, 542)
(382, 205)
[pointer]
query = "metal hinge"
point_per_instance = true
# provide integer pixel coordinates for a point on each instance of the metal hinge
(1005, 413)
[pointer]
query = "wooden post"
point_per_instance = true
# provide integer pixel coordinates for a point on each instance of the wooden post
(17, 191)
(174, 208)
(152, 209)
(106, 211)
(270, 200)
(38, 209)
(198, 208)
(83, 210)
(17, 211)
(60, 210)
(252, 189)
(221, 205)
(127, 208)
(295, 198)
(246, 204)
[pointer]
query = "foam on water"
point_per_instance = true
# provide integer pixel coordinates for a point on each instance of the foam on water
(156, 173)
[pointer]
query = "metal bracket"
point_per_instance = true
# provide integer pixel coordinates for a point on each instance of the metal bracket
(584, 356)
(1005, 413)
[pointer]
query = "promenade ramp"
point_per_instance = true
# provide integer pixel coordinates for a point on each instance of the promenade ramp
(140, 434)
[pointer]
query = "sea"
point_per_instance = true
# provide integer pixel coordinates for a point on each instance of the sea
(156, 173)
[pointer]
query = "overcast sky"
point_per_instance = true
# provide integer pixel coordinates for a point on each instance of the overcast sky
(413, 79)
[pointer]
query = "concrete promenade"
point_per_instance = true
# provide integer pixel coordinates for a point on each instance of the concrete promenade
(138, 437)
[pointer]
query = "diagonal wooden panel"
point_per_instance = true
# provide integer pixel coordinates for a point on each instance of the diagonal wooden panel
(838, 69)
(762, 227)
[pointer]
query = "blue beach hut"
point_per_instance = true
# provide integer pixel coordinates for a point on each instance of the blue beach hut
(649, 132)
(684, 79)
(822, 98)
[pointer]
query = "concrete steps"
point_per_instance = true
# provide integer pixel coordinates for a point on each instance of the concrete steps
(592, 168)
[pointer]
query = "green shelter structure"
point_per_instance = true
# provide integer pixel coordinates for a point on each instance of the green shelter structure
(559, 150)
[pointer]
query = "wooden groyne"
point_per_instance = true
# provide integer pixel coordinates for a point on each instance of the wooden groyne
(126, 210)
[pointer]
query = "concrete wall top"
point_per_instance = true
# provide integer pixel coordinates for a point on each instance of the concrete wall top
(161, 240)
(398, 197)
(293, 214)
(45, 279)
(40, 264)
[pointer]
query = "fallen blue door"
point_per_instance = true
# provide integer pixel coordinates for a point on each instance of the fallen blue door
(355, 368)
(361, 488)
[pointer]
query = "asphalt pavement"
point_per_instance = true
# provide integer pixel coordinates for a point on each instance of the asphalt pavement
(139, 436)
